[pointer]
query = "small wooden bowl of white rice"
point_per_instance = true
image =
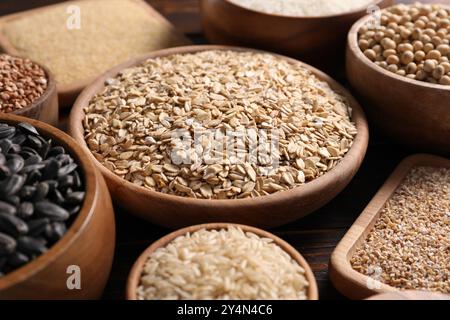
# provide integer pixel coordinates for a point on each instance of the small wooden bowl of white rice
(221, 261)
(312, 30)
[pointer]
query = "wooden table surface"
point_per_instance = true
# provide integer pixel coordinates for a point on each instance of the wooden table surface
(314, 237)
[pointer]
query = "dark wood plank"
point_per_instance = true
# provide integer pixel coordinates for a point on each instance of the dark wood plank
(314, 236)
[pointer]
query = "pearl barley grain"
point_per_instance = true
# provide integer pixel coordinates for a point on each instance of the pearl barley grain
(410, 240)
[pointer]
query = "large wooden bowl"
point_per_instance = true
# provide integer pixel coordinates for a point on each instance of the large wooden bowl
(136, 271)
(88, 243)
(45, 108)
(313, 39)
(269, 211)
(412, 112)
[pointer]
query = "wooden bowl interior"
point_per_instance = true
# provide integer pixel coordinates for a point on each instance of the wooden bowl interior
(136, 271)
(355, 237)
(87, 171)
(314, 187)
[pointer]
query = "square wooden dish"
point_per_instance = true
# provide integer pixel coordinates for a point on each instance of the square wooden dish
(348, 281)
(68, 93)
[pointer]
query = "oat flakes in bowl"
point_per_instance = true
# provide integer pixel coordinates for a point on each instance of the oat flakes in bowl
(199, 123)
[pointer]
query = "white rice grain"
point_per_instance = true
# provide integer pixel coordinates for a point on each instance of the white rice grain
(304, 8)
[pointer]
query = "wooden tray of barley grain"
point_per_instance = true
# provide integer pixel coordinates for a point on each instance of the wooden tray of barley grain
(348, 281)
(168, 37)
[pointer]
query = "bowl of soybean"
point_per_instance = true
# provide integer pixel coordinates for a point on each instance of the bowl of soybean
(400, 72)
(56, 218)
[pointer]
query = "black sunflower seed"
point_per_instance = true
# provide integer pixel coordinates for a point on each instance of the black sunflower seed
(7, 208)
(56, 151)
(29, 150)
(26, 210)
(5, 145)
(15, 148)
(52, 184)
(75, 198)
(51, 210)
(33, 177)
(34, 142)
(64, 171)
(4, 172)
(7, 244)
(27, 192)
(30, 246)
(27, 128)
(41, 193)
(43, 151)
(64, 159)
(12, 225)
(14, 200)
(58, 197)
(33, 159)
(58, 231)
(76, 180)
(17, 259)
(15, 163)
(66, 182)
(74, 210)
(38, 226)
(6, 132)
(32, 167)
(12, 184)
(19, 139)
(51, 169)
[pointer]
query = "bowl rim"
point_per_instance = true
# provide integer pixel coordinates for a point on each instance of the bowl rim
(133, 276)
(352, 44)
(287, 16)
(49, 91)
(84, 215)
(346, 164)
